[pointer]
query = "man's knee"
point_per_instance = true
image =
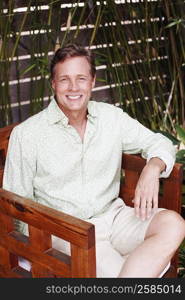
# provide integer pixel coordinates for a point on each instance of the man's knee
(167, 223)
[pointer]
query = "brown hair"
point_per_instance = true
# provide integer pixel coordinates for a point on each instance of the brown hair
(73, 50)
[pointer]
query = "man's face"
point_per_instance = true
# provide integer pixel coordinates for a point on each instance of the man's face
(72, 84)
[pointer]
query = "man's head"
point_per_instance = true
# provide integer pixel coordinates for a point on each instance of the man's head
(73, 77)
(73, 50)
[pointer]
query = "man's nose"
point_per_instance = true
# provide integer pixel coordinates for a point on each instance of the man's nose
(73, 85)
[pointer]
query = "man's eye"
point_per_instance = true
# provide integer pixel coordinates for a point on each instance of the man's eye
(62, 80)
(82, 78)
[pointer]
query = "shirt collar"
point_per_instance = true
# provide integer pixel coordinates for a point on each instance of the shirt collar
(92, 110)
(55, 114)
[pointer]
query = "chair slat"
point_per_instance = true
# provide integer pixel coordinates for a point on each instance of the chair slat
(85, 265)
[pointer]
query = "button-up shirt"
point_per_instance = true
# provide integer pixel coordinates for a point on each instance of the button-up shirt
(47, 161)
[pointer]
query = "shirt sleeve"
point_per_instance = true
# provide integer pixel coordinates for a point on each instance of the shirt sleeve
(20, 164)
(136, 138)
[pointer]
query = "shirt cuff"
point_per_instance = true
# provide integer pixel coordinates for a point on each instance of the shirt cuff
(168, 159)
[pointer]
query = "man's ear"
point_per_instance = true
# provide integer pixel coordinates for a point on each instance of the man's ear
(94, 82)
(53, 84)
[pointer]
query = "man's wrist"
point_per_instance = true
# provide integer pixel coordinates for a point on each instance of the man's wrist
(157, 164)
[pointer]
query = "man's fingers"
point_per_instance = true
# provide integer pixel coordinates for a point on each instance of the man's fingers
(155, 196)
(143, 208)
(149, 208)
(155, 201)
(137, 205)
(146, 201)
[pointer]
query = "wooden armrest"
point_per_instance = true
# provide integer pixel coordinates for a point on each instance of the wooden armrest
(72, 229)
(43, 222)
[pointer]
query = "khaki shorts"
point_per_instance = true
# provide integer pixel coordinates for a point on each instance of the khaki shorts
(118, 232)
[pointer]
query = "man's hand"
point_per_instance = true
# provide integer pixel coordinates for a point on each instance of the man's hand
(147, 189)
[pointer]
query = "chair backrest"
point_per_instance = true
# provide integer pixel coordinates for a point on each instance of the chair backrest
(4, 139)
(170, 195)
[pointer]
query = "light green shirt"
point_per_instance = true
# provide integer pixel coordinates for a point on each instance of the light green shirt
(48, 162)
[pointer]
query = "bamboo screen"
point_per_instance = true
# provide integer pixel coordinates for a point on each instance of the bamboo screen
(128, 38)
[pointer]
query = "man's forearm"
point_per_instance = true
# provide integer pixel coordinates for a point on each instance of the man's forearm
(157, 163)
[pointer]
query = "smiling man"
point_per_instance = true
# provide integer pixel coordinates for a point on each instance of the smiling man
(69, 157)
(73, 89)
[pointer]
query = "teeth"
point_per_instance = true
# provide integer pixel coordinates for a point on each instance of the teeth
(73, 97)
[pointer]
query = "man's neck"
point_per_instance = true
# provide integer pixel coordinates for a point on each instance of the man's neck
(77, 119)
(79, 122)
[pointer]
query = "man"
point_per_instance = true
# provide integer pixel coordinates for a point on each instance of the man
(69, 157)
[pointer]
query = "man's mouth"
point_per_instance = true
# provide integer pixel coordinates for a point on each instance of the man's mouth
(74, 97)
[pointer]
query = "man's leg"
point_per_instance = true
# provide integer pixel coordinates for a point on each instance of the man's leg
(163, 237)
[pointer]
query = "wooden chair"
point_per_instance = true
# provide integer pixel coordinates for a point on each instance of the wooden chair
(44, 221)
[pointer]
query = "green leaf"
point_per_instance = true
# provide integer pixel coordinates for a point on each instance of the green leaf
(181, 154)
(100, 80)
(181, 133)
(27, 69)
(174, 23)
